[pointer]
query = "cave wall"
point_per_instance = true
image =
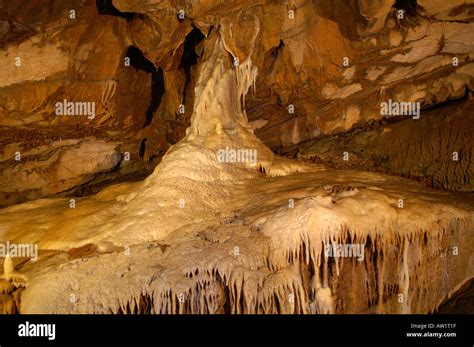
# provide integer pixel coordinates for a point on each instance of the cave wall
(323, 69)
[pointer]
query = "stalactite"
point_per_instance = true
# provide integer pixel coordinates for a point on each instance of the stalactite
(380, 277)
(405, 277)
(248, 293)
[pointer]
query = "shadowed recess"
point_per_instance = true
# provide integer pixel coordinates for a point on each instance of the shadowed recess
(189, 57)
(106, 7)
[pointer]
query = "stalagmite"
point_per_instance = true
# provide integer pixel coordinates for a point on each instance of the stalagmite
(8, 268)
(9, 273)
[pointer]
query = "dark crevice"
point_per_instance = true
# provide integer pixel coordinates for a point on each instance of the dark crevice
(377, 271)
(140, 62)
(190, 57)
(210, 30)
(275, 51)
(106, 7)
(277, 303)
(227, 309)
(408, 6)
(157, 92)
(141, 151)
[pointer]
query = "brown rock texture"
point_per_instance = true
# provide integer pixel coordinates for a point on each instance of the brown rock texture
(323, 69)
(435, 150)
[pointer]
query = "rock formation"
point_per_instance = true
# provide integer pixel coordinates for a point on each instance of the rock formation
(236, 157)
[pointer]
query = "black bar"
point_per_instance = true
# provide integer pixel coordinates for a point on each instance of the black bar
(245, 329)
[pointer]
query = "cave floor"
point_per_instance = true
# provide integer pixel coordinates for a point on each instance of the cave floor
(250, 235)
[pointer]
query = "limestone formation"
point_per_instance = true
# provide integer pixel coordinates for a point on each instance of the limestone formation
(236, 156)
